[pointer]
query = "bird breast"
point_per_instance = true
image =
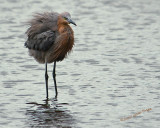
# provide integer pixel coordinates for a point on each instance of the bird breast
(63, 44)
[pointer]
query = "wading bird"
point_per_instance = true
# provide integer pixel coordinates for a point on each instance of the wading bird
(50, 39)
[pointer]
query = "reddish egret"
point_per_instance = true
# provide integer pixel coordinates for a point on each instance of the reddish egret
(50, 39)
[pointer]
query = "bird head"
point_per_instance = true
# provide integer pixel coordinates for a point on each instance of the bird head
(67, 18)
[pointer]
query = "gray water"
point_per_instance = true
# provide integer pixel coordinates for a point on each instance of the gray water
(112, 73)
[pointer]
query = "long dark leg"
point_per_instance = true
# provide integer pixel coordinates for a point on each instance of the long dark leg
(54, 78)
(46, 78)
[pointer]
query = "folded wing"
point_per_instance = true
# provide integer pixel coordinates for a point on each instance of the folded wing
(42, 41)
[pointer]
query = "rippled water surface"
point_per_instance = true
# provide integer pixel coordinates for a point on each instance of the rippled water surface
(112, 73)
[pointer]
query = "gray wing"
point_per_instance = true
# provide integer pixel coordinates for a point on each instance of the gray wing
(42, 41)
(42, 22)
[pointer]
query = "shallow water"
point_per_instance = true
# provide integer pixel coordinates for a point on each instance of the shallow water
(112, 73)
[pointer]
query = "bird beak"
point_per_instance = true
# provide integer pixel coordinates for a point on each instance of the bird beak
(71, 21)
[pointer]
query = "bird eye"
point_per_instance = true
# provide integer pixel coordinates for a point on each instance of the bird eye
(65, 18)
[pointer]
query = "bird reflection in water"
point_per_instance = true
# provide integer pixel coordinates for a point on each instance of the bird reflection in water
(49, 115)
